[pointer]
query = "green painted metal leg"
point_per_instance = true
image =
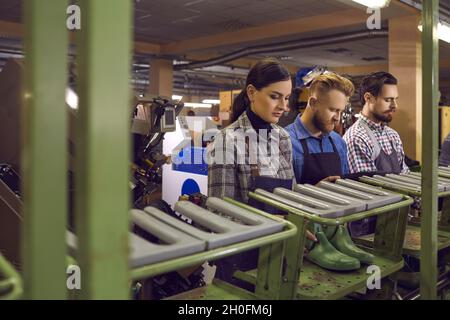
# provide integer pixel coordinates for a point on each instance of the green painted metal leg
(103, 148)
(44, 155)
(269, 271)
(430, 82)
(294, 259)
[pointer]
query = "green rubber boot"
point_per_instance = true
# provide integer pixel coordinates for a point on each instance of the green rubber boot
(343, 242)
(326, 256)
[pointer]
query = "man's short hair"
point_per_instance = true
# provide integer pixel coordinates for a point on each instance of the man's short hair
(329, 81)
(374, 82)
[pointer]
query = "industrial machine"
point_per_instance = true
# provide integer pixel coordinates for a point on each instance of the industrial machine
(188, 171)
(410, 184)
(331, 206)
(161, 243)
(148, 132)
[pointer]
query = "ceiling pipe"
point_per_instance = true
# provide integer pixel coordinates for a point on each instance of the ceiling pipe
(284, 46)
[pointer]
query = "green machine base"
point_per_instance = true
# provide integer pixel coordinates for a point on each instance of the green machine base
(316, 283)
(218, 290)
(411, 245)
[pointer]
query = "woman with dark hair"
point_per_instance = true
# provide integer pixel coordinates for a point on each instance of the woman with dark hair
(255, 113)
(253, 151)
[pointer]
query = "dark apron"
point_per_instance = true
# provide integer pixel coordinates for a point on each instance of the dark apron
(388, 163)
(318, 166)
(248, 260)
(385, 163)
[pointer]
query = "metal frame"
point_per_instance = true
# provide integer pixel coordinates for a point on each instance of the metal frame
(390, 232)
(103, 148)
(269, 272)
(10, 281)
(44, 153)
(430, 83)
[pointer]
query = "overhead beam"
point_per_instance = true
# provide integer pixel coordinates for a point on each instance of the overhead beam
(274, 30)
(361, 69)
(147, 47)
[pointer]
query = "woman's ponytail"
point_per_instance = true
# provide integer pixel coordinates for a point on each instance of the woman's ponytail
(240, 104)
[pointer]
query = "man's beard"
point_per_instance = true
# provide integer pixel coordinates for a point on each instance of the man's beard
(382, 117)
(321, 124)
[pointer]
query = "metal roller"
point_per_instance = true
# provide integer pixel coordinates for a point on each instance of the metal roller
(393, 184)
(223, 231)
(333, 200)
(349, 205)
(234, 211)
(174, 244)
(417, 181)
(445, 182)
(371, 200)
(290, 200)
(306, 200)
(363, 187)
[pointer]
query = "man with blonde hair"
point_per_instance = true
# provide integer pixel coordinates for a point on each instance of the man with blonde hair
(318, 152)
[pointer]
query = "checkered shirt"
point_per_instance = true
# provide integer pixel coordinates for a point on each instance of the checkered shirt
(360, 146)
(232, 179)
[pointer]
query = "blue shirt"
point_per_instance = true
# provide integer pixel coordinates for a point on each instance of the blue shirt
(297, 131)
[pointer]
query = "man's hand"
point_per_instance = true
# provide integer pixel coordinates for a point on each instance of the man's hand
(331, 178)
(311, 237)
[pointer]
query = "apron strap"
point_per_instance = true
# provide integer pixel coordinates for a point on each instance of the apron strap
(376, 144)
(304, 146)
(333, 145)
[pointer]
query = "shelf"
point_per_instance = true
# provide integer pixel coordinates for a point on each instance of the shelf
(317, 283)
(406, 201)
(218, 290)
(411, 245)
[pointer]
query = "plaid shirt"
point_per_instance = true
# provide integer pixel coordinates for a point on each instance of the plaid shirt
(232, 179)
(360, 146)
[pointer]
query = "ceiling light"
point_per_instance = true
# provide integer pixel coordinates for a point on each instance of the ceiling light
(375, 4)
(176, 97)
(211, 101)
(198, 105)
